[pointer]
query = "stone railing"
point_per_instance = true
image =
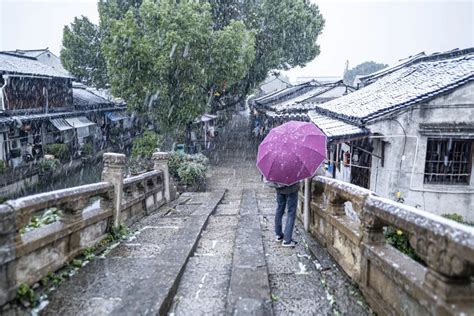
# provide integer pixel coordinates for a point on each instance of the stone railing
(88, 214)
(393, 283)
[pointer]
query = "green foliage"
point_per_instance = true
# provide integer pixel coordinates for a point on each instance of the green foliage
(188, 169)
(365, 68)
(77, 263)
(26, 296)
(457, 218)
(175, 161)
(400, 240)
(191, 173)
(145, 145)
(87, 149)
(59, 151)
(3, 166)
(47, 165)
(166, 60)
(50, 216)
(81, 53)
(119, 233)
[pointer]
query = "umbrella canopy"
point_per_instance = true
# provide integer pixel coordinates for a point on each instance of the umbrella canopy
(291, 152)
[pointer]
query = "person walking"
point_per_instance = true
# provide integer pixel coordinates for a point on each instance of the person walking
(286, 196)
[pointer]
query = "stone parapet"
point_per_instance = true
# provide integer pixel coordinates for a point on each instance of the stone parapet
(88, 214)
(392, 282)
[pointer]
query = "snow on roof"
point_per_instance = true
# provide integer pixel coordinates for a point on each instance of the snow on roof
(317, 94)
(31, 52)
(83, 96)
(22, 65)
(334, 128)
(417, 81)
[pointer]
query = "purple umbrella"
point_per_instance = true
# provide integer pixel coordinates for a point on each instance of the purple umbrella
(291, 152)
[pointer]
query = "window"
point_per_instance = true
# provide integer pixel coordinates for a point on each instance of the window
(448, 161)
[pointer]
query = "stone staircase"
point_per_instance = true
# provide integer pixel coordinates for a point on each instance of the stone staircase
(213, 253)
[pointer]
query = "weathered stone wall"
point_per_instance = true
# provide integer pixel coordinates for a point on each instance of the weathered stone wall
(392, 282)
(404, 162)
(89, 212)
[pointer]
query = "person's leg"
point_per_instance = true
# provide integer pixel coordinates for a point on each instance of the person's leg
(290, 219)
(281, 203)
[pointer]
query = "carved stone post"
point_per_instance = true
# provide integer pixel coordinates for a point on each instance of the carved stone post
(114, 167)
(7, 253)
(307, 200)
(372, 229)
(449, 269)
(335, 203)
(161, 163)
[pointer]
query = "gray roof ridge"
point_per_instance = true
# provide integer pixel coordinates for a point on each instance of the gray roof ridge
(360, 122)
(17, 55)
(424, 97)
(420, 57)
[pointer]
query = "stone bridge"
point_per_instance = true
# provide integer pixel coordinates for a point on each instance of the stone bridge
(214, 253)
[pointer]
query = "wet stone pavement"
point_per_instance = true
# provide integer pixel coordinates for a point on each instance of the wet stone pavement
(213, 254)
(299, 282)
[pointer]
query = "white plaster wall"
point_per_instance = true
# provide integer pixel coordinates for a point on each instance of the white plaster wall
(408, 180)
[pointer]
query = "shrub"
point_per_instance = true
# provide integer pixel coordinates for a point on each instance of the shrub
(399, 239)
(60, 151)
(145, 145)
(26, 296)
(51, 215)
(47, 165)
(191, 173)
(187, 169)
(457, 218)
(3, 166)
(87, 149)
(175, 161)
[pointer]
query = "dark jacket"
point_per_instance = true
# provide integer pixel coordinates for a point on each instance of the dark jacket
(289, 189)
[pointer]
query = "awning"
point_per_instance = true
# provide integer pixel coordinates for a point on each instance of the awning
(335, 128)
(78, 122)
(60, 124)
(116, 116)
(207, 118)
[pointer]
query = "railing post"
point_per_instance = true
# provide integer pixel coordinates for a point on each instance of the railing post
(114, 167)
(161, 163)
(307, 200)
(7, 253)
(335, 203)
(449, 271)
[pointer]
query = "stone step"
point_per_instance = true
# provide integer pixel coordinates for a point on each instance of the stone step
(249, 290)
(141, 275)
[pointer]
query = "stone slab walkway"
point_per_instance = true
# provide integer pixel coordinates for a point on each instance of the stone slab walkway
(214, 255)
(140, 276)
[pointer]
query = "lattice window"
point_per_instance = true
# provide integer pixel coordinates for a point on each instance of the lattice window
(448, 161)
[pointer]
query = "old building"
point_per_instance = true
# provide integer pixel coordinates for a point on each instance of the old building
(292, 103)
(408, 134)
(40, 106)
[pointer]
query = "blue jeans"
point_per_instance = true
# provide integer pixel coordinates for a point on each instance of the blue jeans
(282, 200)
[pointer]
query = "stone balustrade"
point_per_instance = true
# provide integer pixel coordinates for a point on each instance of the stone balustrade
(393, 283)
(88, 214)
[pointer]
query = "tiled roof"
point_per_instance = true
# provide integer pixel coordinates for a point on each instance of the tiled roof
(316, 95)
(83, 96)
(417, 81)
(15, 64)
(287, 116)
(334, 128)
(280, 94)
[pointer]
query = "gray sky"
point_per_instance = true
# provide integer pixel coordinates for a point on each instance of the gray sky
(358, 31)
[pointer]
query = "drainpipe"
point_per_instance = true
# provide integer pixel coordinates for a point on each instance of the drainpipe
(307, 184)
(1, 96)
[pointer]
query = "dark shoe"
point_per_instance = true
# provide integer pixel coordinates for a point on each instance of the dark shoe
(291, 244)
(279, 238)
